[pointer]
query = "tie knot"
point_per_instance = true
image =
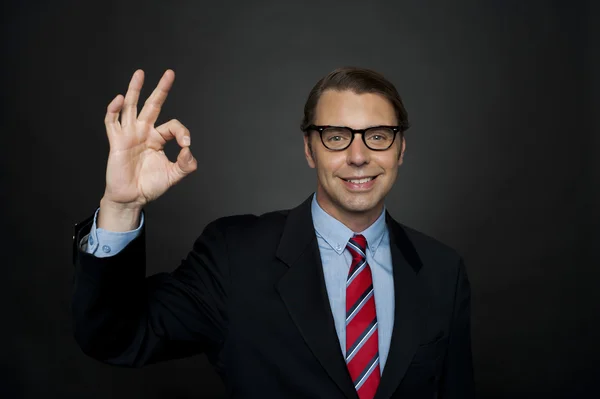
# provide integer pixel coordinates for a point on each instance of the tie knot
(358, 245)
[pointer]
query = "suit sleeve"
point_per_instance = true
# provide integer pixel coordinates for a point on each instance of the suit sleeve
(122, 317)
(457, 380)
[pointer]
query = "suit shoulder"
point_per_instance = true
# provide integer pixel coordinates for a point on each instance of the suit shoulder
(250, 222)
(429, 247)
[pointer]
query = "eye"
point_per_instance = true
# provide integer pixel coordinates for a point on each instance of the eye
(379, 134)
(335, 135)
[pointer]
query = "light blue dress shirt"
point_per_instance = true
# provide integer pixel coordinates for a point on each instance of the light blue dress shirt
(103, 243)
(332, 237)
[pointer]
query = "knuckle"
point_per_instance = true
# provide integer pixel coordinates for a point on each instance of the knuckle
(180, 170)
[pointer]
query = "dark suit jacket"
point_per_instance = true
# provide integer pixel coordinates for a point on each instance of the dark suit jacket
(251, 295)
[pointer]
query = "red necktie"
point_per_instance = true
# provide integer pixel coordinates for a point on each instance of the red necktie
(362, 349)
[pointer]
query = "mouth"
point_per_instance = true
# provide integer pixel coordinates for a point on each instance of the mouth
(359, 183)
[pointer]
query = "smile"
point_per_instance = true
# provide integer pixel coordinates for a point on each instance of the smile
(360, 181)
(362, 184)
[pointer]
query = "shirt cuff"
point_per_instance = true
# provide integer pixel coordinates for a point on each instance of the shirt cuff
(103, 243)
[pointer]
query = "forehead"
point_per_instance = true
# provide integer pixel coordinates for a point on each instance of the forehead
(347, 108)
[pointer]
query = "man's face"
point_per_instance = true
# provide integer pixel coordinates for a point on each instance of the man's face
(336, 195)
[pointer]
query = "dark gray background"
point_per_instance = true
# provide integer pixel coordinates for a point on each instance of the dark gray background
(501, 163)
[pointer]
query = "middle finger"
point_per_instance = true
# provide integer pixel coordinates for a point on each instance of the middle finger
(154, 103)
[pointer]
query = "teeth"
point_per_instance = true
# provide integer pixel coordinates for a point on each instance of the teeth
(361, 181)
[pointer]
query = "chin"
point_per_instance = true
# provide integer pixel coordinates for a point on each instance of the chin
(338, 199)
(358, 205)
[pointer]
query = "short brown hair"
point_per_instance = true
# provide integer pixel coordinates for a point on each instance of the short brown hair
(358, 80)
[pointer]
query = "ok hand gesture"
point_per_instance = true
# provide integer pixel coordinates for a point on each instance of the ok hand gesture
(138, 171)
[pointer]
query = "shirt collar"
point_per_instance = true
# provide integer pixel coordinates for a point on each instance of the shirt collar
(336, 234)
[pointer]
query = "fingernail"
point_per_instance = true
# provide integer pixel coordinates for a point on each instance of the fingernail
(186, 140)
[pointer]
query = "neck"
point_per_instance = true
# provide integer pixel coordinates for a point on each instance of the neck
(355, 221)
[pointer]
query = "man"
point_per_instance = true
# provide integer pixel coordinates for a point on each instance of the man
(331, 299)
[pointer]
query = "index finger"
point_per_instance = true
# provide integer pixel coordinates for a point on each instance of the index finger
(154, 103)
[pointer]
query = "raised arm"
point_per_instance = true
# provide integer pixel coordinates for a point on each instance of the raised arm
(121, 317)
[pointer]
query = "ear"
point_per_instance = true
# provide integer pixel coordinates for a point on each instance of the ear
(401, 156)
(308, 151)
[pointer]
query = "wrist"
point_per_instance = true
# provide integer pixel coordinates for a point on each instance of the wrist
(118, 217)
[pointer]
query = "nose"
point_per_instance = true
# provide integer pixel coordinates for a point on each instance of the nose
(358, 153)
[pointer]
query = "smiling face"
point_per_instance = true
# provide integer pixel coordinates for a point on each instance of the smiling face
(352, 184)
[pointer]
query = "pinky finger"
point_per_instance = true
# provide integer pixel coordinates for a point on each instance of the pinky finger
(113, 110)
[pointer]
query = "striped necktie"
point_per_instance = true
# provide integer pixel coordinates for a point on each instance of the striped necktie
(362, 349)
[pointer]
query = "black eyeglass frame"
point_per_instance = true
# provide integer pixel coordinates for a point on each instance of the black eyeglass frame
(320, 129)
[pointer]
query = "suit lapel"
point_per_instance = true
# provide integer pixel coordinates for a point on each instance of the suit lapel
(405, 335)
(303, 291)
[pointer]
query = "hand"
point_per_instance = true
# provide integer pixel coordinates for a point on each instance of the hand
(138, 171)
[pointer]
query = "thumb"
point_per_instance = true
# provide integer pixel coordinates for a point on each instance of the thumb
(186, 164)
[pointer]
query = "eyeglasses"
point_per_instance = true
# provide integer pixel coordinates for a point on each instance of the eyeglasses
(338, 138)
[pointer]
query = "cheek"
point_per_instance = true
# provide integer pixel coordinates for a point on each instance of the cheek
(329, 164)
(388, 162)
